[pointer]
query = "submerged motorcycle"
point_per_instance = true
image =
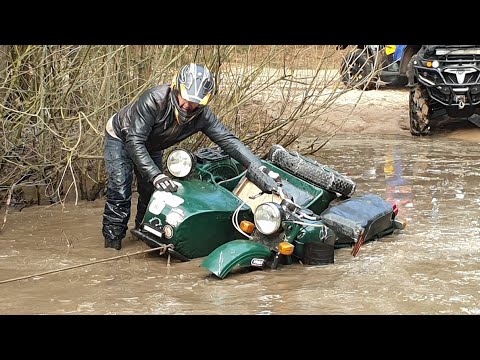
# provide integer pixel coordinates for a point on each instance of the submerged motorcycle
(239, 218)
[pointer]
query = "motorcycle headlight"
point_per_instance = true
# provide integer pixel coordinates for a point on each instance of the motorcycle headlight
(180, 163)
(268, 218)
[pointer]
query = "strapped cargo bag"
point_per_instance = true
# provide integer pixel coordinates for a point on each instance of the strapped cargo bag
(360, 219)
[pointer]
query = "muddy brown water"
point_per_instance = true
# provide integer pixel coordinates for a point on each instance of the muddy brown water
(431, 267)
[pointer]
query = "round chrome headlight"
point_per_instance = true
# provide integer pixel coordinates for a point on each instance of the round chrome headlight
(268, 218)
(180, 163)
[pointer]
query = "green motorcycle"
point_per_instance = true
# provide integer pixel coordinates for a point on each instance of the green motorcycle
(235, 218)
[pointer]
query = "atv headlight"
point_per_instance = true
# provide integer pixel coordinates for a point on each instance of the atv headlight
(268, 218)
(180, 163)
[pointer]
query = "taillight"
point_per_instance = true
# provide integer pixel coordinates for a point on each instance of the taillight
(395, 209)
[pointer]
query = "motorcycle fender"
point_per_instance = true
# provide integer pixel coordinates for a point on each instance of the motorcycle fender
(236, 252)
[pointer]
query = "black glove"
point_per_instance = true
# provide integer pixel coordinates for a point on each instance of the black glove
(164, 183)
(264, 182)
(275, 176)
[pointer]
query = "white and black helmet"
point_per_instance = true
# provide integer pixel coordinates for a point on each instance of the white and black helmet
(194, 83)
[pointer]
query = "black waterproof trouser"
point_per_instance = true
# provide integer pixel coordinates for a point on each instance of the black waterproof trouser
(120, 168)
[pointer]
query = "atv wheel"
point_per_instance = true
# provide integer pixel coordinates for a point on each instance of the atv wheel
(419, 111)
(311, 171)
(356, 70)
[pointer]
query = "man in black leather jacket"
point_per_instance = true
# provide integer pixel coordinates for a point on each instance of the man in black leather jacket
(136, 136)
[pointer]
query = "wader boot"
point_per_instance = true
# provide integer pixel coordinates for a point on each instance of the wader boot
(115, 244)
(113, 235)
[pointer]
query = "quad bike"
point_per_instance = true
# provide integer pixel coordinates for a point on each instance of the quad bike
(235, 218)
(445, 81)
(367, 66)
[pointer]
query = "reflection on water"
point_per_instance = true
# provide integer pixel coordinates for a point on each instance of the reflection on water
(398, 187)
(429, 268)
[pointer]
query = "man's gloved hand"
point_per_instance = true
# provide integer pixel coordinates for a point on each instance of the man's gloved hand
(278, 180)
(275, 176)
(164, 183)
(287, 195)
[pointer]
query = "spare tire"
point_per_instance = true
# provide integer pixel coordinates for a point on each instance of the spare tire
(311, 171)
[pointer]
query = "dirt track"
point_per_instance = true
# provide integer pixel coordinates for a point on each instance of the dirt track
(385, 111)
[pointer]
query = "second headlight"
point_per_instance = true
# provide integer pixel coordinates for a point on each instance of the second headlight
(268, 218)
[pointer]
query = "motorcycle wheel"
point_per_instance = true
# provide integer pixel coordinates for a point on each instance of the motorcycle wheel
(419, 111)
(311, 171)
(355, 70)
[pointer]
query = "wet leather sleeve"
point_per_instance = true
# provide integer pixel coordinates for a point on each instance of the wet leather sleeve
(231, 144)
(143, 114)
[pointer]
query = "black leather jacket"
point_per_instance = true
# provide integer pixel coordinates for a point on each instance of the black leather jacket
(148, 125)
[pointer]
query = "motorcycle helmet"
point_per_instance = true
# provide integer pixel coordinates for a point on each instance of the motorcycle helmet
(193, 83)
